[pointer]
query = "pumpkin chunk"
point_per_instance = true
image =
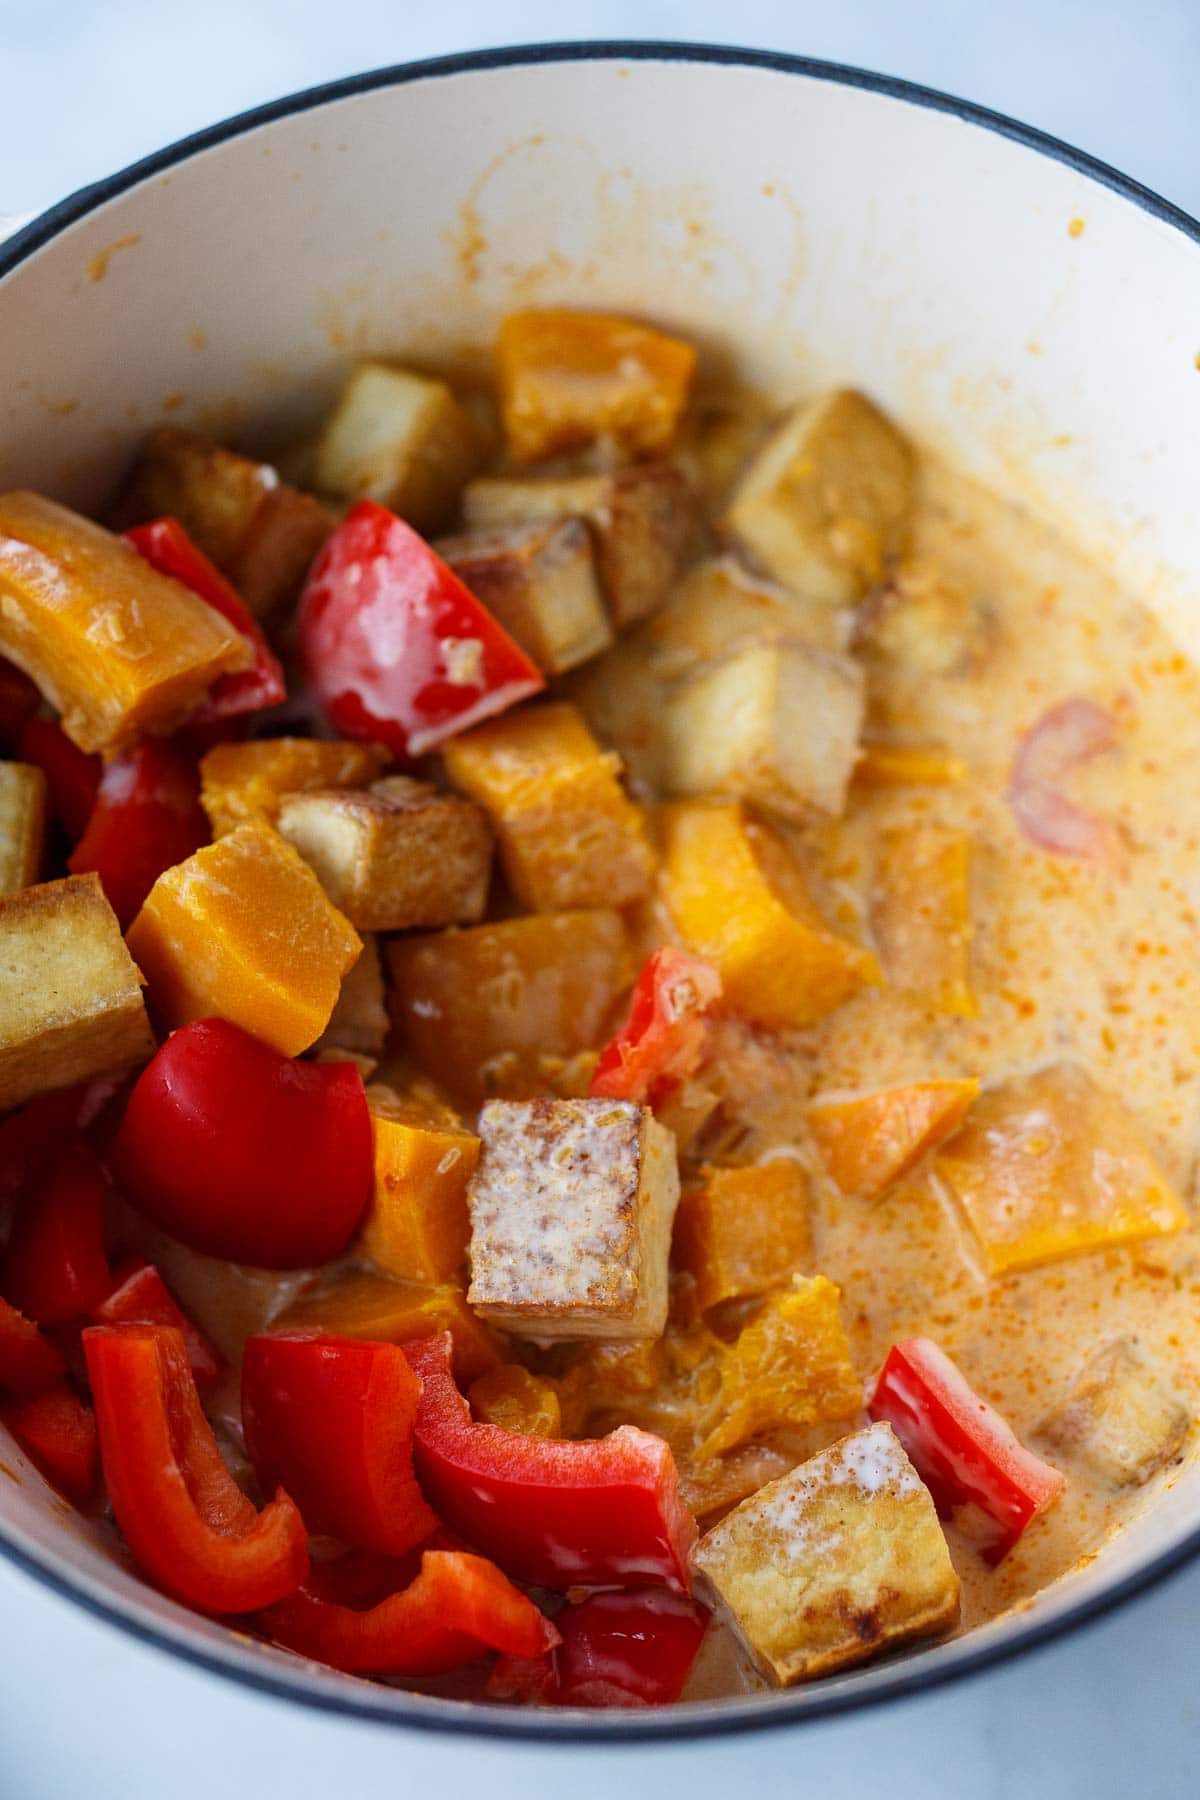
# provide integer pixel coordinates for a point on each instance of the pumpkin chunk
(743, 1231)
(242, 930)
(1050, 1166)
(511, 1397)
(416, 1225)
(359, 1304)
(569, 834)
(241, 783)
(22, 825)
(922, 916)
(401, 439)
(1121, 1419)
(539, 580)
(739, 898)
(868, 1141)
(884, 765)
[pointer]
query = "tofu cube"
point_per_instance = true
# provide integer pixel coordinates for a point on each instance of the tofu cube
(401, 439)
(1122, 1420)
(719, 608)
(921, 621)
(539, 580)
(571, 1209)
(22, 825)
(394, 860)
(416, 1225)
(743, 1231)
(242, 784)
(358, 1303)
(359, 1021)
(826, 502)
(569, 378)
(641, 520)
(833, 1563)
(70, 996)
(243, 930)
(922, 916)
(868, 1142)
(116, 647)
(569, 835)
(776, 724)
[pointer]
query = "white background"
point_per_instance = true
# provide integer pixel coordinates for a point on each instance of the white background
(86, 86)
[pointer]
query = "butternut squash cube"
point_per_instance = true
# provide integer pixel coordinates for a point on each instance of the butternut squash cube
(739, 898)
(117, 648)
(242, 783)
(832, 1563)
(1122, 1419)
(401, 439)
(1050, 1166)
(359, 1021)
(486, 1009)
(869, 1141)
(70, 997)
(357, 1303)
(827, 499)
(243, 930)
(512, 1398)
(719, 608)
(416, 1225)
(569, 835)
(884, 765)
(22, 825)
(539, 580)
(743, 1231)
(568, 378)
(922, 916)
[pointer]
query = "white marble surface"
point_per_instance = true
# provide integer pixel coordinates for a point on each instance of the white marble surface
(86, 1714)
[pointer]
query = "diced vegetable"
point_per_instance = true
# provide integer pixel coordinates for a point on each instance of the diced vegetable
(416, 1225)
(662, 1040)
(869, 1141)
(29, 1362)
(55, 1268)
(539, 580)
(743, 1231)
(617, 1650)
(140, 1296)
(358, 1304)
(401, 439)
(72, 776)
(923, 918)
(359, 1021)
(886, 765)
(243, 784)
(512, 1397)
(147, 817)
(1122, 1420)
(22, 825)
(57, 1431)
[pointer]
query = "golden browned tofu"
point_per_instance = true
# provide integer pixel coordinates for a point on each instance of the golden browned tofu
(827, 499)
(70, 995)
(241, 784)
(117, 648)
(359, 1021)
(22, 825)
(569, 835)
(922, 916)
(832, 1563)
(394, 859)
(399, 438)
(642, 520)
(742, 1231)
(1122, 1419)
(571, 1211)
(719, 608)
(539, 580)
(1049, 1166)
(921, 621)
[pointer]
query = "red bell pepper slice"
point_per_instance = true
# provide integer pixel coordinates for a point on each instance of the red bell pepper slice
(72, 776)
(55, 1268)
(662, 1040)
(19, 700)
(961, 1448)
(142, 1297)
(554, 1513)
(458, 1607)
(245, 1153)
(147, 817)
(187, 1522)
(396, 649)
(331, 1420)
(167, 547)
(617, 1650)
(57, 1431)
(29, 1362)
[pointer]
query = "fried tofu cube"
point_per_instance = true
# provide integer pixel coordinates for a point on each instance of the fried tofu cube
(868, 1142)
(416, 1225)
(569, 835)
(261, 533)
(571, 1211)
(1121, 1419)
(22, 825)
(776, 724)
(359, 1021)
(921, 621)
(396, 859)
(493, 1008)
(739, 898)
(70, 996)
(743, 1231)
(922, 918)
(357, 1303)
(884, 765)
(1049, 1166)
(244, 783)
(116, 647)
(832, 1563)
(568, 378)
(512, 1398)
(401, 439)
(719, 608)
(243, 930)
(641, 520)
(539, 580)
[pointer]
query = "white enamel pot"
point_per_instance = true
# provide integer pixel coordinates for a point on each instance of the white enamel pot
(1031, 313)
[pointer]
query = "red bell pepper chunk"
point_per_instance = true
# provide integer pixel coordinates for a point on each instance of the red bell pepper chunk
(661, 1042)
(57, 1431)
(55, 1269)
(167, 547)
(29, 1362)
(396, 649)
(187, 1522)
(19, 700)
(553, 1513)
(142, 1297)
(961, 1448)
(331, 1420)
(245, 1153)
(458, 1607)
(147, 817)
(617, 1650)
(72, 776)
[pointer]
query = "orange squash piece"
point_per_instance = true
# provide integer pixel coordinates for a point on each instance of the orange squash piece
(743, 1230)
(511, 1397)
(868, 1141)
(360, 1304)
(922, 916)
(882, 765)
(243, 929)
(417, 1226)
(242, 783)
